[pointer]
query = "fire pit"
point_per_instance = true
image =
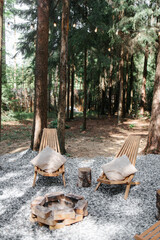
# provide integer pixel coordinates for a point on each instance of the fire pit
(58, 209)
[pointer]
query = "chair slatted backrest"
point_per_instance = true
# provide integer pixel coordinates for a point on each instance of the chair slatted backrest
(130, 148)
(152, 233)
(50, 138)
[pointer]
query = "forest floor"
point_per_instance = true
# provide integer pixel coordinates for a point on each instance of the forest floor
(103, 136)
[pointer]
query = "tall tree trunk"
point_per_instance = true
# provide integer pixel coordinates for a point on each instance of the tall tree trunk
(103, 85)
(153, 142)
(40, 102)
(15, 60)
(103, 100)
(143, 87)
(110, 87)
(85, 89)
(126, 86)
(49, 91)
(55, 90)
(72, 94)
(116, 97)
(4, 50)
(131, 86)
(63, 72)
(120, 107)
(68, 91)
(1, 37)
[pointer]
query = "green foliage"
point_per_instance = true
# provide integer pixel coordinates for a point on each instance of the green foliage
(92, 113)
(52, 114)
(131, 125)
(97, 26)
(67, 154)
(53, 124)
(15, 116)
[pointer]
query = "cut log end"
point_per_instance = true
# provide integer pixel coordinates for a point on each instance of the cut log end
(84, 177)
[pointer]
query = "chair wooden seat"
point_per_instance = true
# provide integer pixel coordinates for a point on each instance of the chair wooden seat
(105, 180)
(49, 138)
(130, 149)
(152, 233)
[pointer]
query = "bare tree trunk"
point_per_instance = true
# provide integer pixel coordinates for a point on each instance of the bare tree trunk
(85, 89)
(153, 142)
(103, 86)
(126, 86)
(131, 86)
(55, 90)
(103, 100)
(120, 107)
(143, 87)
(49, 91)
(4, 49)
(15, 60)
(1, 37)
(68, 91)
(26, 99)
(63, 72)
(72, 94)
(110, 87)
(40, 103)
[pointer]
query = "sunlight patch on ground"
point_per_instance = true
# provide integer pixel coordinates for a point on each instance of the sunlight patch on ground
(127, 210)
(19, 149)
(10, 175)
(101, 229)
(10, 192)
(2, 209)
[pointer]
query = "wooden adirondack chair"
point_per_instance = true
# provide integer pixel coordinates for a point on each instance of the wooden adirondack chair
(130, 149)
(152, 233)
(49, 138)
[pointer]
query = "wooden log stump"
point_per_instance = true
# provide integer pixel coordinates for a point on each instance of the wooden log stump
(84, 177)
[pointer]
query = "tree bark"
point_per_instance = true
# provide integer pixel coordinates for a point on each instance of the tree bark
(4, 49)
(85, 89)
(126, 87)
(143, 87)
(63, 73)
(15, 60)
(131, 86)
(1, 37)
(84, 177)
(49, 91)
(68, 91)
(72, 94)
(55, 90)
(120, 107)
(110, 87)
(103, 86)
(153, 142)
(40, 103)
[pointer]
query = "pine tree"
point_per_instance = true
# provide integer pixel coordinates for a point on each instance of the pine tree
(63, 74)
(40, 102)
(153, 142)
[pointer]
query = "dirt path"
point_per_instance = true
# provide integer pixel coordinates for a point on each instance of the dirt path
(103, 137)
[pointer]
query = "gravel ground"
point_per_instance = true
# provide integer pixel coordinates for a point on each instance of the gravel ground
(110, 216)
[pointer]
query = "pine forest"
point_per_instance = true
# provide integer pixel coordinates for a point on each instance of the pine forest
(66, 59)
